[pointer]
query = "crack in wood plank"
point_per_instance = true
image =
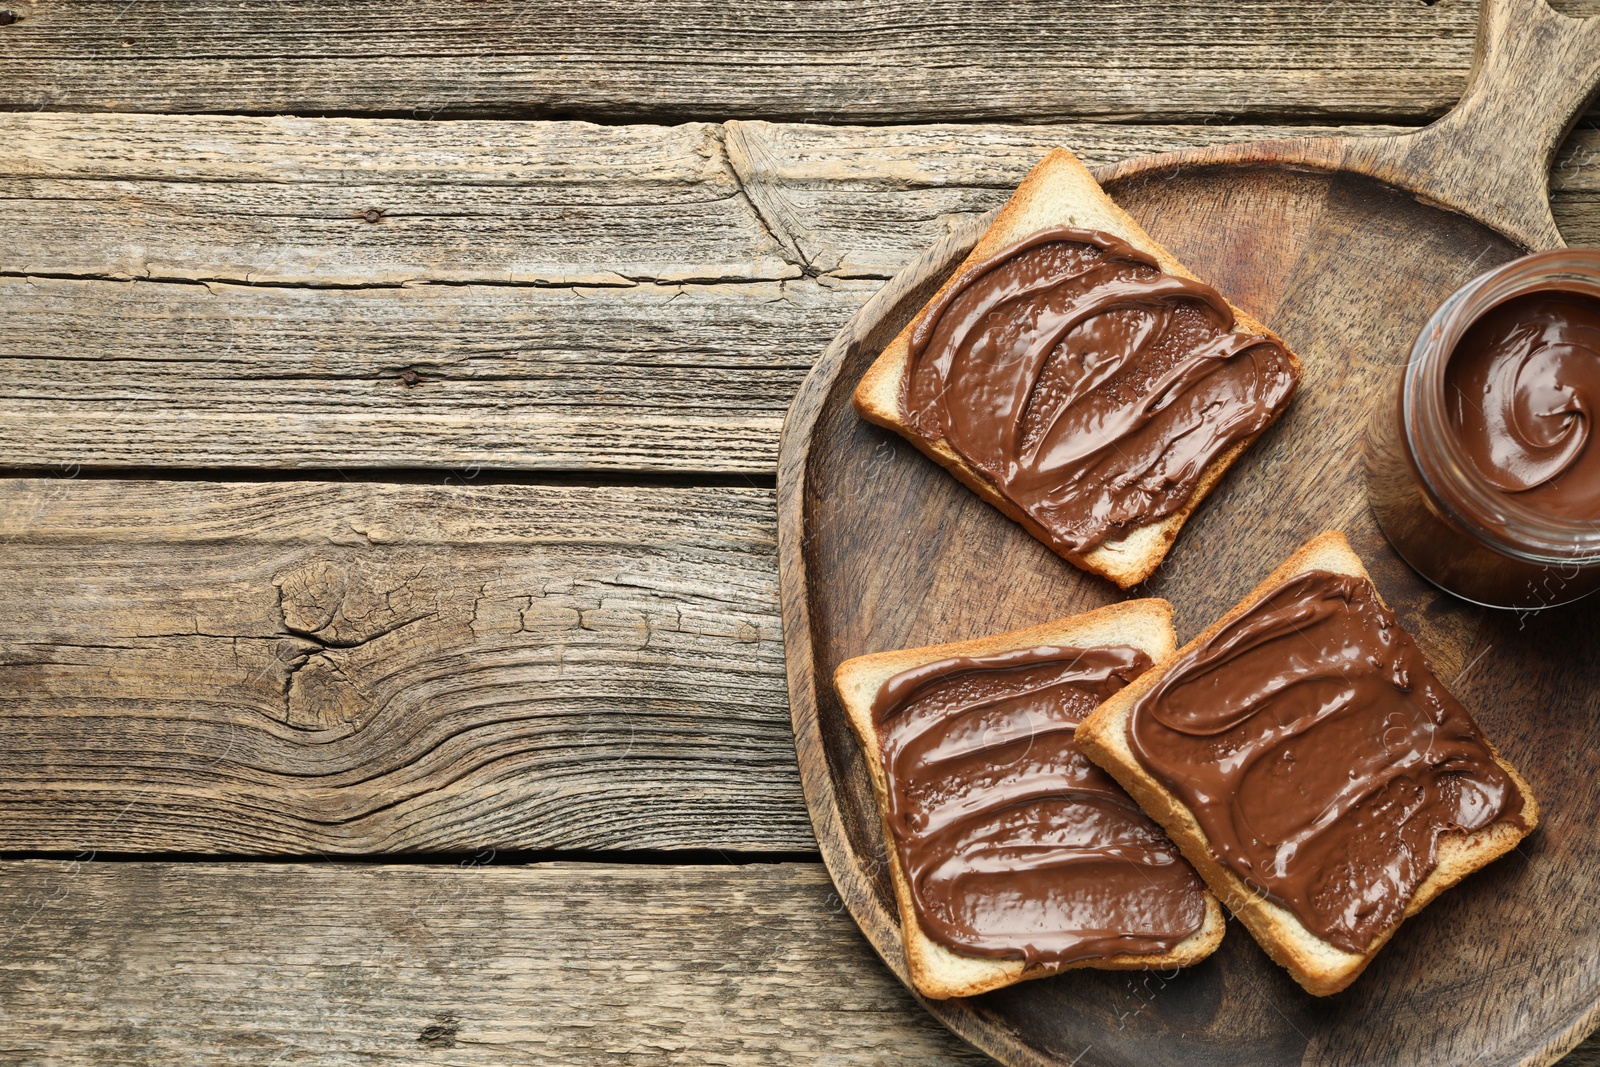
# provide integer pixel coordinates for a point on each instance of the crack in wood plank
(750, 165)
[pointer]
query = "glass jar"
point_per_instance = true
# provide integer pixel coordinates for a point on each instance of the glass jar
(1448, 521)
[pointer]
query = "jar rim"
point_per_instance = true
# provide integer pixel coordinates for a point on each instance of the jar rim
(1455, 483)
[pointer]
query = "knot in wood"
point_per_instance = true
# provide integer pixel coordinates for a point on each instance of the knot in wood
(311, 594)
(322, 696)
(441, 1033)
(346, 603)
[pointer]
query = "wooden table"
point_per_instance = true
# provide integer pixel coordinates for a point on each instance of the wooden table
(389, 658)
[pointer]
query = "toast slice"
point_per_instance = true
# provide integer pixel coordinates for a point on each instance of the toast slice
(937, 971)
(1321, 968)
(1059, 191)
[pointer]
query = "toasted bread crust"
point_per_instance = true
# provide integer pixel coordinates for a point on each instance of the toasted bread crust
(1058, 191)
(939, 972)
(1320, 968)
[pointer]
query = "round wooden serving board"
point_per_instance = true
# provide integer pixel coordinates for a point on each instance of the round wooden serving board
(1344, 247)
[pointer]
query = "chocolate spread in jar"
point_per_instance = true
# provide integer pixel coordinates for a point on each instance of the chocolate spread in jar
(1088, 386)
(1320, 756)
(1522, 390)
(1014, 844)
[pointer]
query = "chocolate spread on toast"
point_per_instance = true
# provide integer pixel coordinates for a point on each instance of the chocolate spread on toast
(1522, 389)
(1089, 387)
(1014, 844)
(1320, 756)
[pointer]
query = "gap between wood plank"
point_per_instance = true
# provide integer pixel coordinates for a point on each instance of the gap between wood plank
(462, 477)
(688, 857)
(655, 117)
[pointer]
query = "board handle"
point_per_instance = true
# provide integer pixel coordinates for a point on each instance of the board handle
(1534, 73)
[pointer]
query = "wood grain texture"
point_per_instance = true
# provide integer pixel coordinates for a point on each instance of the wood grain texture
(1534, 72)
(830, 61)
(649, 377)
(326, 964)
(284, 201)
(315, 667)
(567, 296)
(880, 549)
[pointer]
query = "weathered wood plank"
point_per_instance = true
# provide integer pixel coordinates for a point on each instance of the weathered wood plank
(829, 61)
(556, 360)
(282, 201)
(286, 201)
(535, 353)
(315, 667)
(650, 377)
(320, 963)
(317, 963)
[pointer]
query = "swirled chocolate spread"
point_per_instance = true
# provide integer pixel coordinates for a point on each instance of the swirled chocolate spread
(1522, 390)
(1014, 844)
(1088, 386)
(1320, 755)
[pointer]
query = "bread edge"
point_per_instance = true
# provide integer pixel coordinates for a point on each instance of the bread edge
(1320, 968)
(936, 971)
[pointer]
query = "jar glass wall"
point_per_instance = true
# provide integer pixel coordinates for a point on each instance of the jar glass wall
(1445, 518)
